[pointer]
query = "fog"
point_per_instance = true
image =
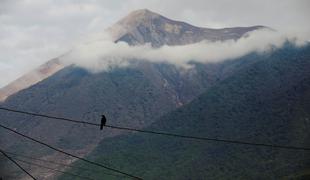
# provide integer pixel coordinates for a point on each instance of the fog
(104, 54)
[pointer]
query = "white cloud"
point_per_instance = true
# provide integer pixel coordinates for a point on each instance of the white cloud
(34, 31)
(103, 54)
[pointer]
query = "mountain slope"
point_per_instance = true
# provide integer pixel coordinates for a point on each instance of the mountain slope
(139, 27)
(31, 78)
(136, 94)
(133, 96)
(268, 102)
(144, 26)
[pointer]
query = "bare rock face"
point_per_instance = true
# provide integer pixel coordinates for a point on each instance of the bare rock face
(144, 26)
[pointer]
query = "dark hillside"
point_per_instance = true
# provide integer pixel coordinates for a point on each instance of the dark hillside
(268, 102)
(134, 96)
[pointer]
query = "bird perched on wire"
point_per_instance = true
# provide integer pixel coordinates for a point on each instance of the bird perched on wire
(103, 121)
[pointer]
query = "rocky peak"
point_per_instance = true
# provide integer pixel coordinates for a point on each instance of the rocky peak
(144, 26)
(139, 16)
(139, 27)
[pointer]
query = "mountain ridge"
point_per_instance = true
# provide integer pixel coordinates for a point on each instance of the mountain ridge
(138, 27)
(267, 102)
(132, 28)
(42, 72)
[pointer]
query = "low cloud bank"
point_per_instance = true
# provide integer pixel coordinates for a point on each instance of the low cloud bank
(104, 54)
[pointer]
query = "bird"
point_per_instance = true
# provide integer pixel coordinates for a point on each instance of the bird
(103, 121)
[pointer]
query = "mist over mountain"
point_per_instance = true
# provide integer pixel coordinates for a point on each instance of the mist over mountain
(147, 36)
(102, 51)
(33, 32)
(148, 71)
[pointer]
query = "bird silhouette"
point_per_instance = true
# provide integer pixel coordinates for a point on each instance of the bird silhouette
(103, 121)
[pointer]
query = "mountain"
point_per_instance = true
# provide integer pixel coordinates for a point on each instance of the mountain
(139, 27)
(134, 96)
(144, 26)
(268, 102)
(31, 78)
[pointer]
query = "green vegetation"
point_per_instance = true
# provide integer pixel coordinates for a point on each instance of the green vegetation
(267, 102)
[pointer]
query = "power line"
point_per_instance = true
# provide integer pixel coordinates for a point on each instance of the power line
(17, 164)
(212, 139)
(77, 157)
(48, 116)
(56, 163)
(56, 170)
(164, 133)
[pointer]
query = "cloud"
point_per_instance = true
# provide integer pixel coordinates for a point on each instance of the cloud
(104, 54)
(35, 31)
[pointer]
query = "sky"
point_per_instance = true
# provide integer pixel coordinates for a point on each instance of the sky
(35, 31)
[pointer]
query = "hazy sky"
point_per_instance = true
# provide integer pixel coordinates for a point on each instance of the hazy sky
(34, 31)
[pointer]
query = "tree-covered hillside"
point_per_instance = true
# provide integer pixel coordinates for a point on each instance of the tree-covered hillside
(133, 96)
(268, 102)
